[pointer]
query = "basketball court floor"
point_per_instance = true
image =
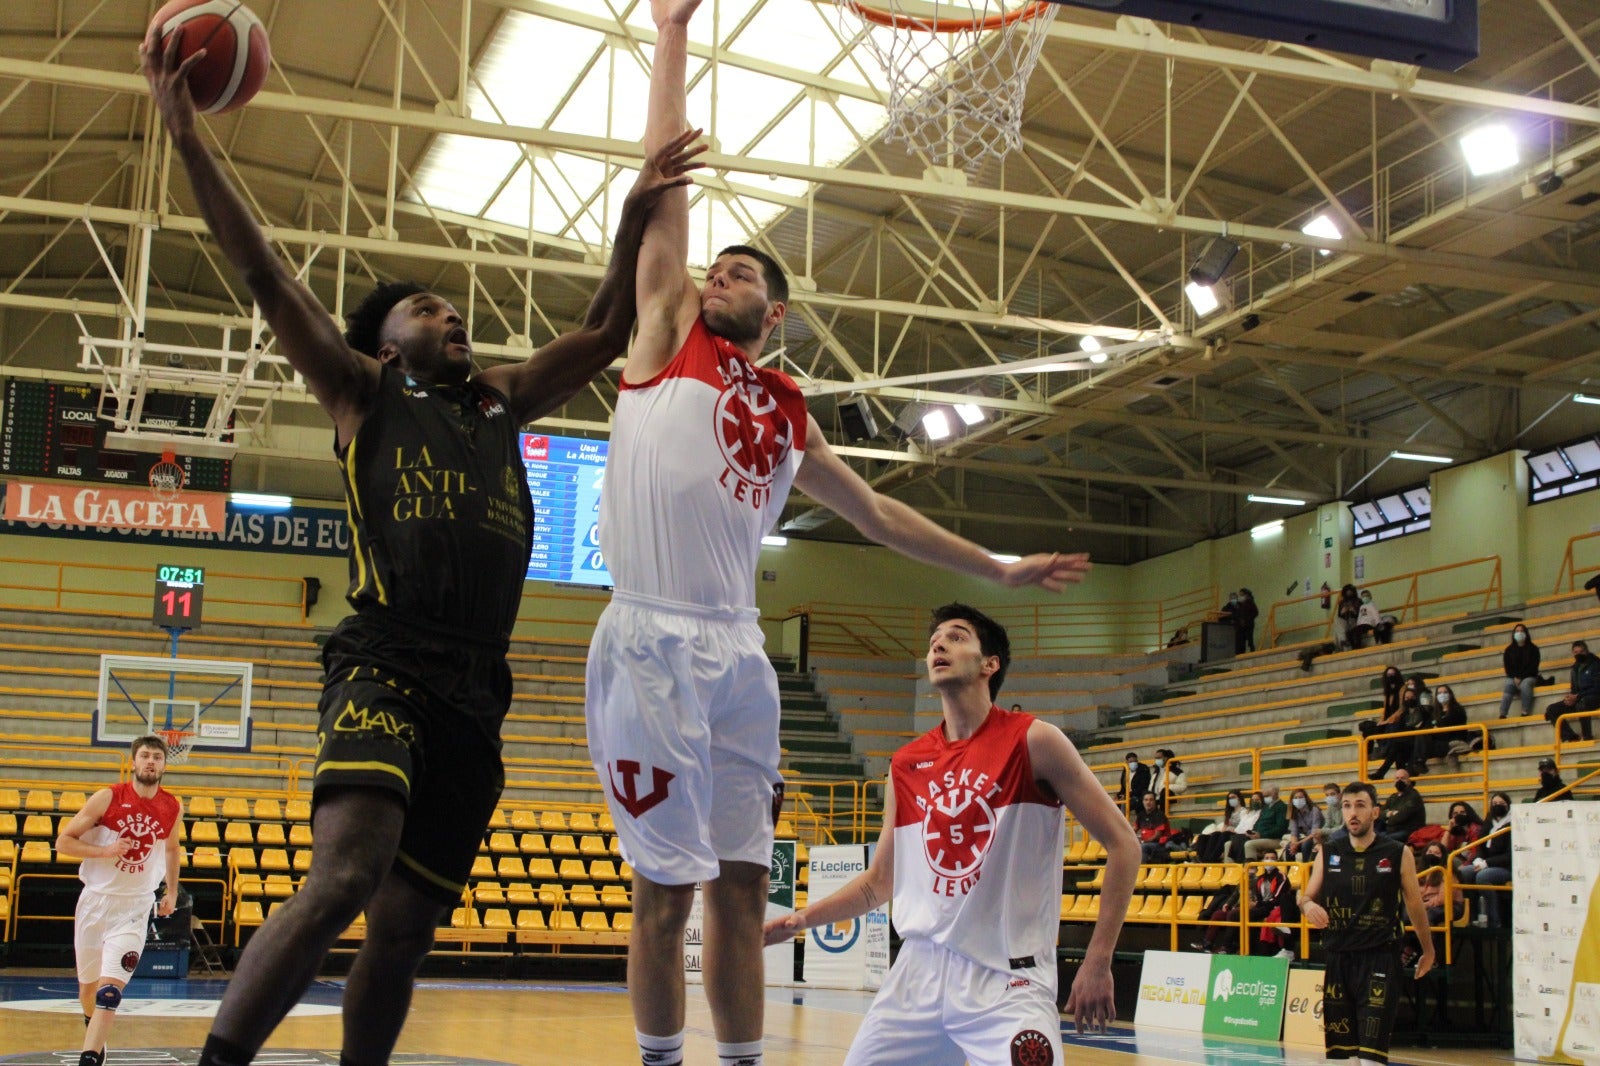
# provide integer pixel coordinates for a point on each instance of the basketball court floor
(459, 1023)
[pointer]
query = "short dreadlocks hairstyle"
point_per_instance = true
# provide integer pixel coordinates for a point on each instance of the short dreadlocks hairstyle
(365, 323)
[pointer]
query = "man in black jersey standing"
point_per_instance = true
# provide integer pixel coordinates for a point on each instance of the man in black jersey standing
(1354, 893)
(416, 683)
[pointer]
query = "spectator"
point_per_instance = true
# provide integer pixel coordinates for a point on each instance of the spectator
(1155, 832)
(1170, 777)
(1272, 912)
(1345, 613)
(1521, 661)
(1583, 693)
(1244, 622)
(1212, 844)
(1305, 818)
(1370, 620)
(1272, 825)
(1461, 827)
(1388, 719)
(1416, 712)
(1180, 637)
(1016, 708)
(1549, 780)
(1332, 822)
(1222, 907)
(1447, 711)
(1234, 850)
(1593, 585)
(1440, 910)
(1135, 782)
(1403, 812)
(1490, 864)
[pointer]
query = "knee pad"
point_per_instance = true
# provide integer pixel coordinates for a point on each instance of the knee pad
(108, 997)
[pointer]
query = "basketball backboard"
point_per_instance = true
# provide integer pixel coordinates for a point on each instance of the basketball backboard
(208, 698)
(1427, 33)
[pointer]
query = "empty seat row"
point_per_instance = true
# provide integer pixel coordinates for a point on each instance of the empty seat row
(267, 834)
(523, 893)
(513, 868)
(523, 820)
(559, 844)
(500, 918)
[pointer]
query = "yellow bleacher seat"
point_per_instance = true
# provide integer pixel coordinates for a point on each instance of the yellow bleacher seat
(563, 920)
(1092, 911)
(242, 858)
(300, 835)
(1157, 877)
(201, 807)
(551, 895)
(497, 918)
(498, 819)
(541, 870)
(1095, 852)
(785, 829)
(238, 833)
(297, 810)
(622, 922)
(595, 922)
(1097, 881)
(532, 844)
(39, 826)
(235, 807)
(1193, 874)
(1067, 903)
(1190, 911)
(278, 886)
(36, 851)
(273, 909)
(488, 892)
(1219, 874)
(1297, 876)
(204, 833)
(521, 894)
(71, 802)
(563, 844)
(205, 858)
(302, 860)
(1152, 906)
(248, 886)
(248, 912)
(593, 846)
(464, 918)
(274, 860)
(8, 824)
(552, 822)
(572, 870)
(1082, 904)
(8, 850)
(270, 834)
(1135, 905)
(482, 868)
(625, 871)
(614, 896)
(40, 799)
(615, 846)
(5, 909)
(530, 919)
(583, 896)
(523, 820)
(802, 854)
(267, 809)
(603, 870)
(10, 799)
(605, 823)
(582, 822)
(502, 843)
(510, 868)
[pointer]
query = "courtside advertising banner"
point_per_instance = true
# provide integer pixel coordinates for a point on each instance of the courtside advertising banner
(694, 938)
(1555, 924)
(778, 959)
(1247, 997)
(848, 954)
(1302, 1022)
(1172, 990)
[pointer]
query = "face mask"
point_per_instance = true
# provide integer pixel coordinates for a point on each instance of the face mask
(1425, 699)
(1233, 599)
(1461, 819)
(1299, 804)
(1402, 786)
(1333, 797)
(1160, 763)
(1445, 697)
(1498, 810)
(1132, 763)
(1256, 801)
(1366, 599)
(1520, 638)
(1233, 801)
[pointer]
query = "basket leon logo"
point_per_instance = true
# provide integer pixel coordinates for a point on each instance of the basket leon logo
(957, 827)
(1031, 1048)
(752, 431)
(144, 832)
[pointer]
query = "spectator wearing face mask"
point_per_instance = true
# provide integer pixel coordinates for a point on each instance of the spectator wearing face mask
(1583, 693)
(1170, 777)
(1272, 825)
(1521, 661)
(1404, 811)
(1388, 720)
(1461, 827)
(1549, 780)
(1305, 818)
(1212, 843)
(1246, 831)
(1447, 711)
(1345, 613)
(1441, 908)
(1370, 620)
(1490, 864)
(1416, 712)
(1135, 782)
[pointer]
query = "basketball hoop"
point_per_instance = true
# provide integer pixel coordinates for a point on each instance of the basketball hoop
(958, 77)
(166, 477)
(178, 741)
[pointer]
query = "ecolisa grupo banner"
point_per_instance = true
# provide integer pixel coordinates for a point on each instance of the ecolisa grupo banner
(1218, 995)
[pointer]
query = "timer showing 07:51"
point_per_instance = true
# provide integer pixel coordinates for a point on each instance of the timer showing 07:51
(181, 575)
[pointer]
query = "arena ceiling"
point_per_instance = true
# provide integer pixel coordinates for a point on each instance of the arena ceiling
(482, 147)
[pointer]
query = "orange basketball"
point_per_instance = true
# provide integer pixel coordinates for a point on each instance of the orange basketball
(237, 56)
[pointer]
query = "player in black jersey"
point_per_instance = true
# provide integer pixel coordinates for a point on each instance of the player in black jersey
(417, 686)
(1354, 893)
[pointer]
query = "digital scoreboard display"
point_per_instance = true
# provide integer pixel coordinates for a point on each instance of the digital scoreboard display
(565, 475)
(179, 597)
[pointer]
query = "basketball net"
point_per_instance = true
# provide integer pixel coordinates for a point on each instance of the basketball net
(166, 477)
(958, 70)
(177, 741)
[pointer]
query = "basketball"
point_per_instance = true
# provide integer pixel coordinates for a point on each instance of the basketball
(237, 56)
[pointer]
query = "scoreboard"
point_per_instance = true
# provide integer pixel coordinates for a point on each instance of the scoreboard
(54, 430)
(565, 475)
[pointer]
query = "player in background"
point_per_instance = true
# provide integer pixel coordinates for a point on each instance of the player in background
(681, 702)
(1356, 887)
(417, 687)
(970, 852)
(126, 836)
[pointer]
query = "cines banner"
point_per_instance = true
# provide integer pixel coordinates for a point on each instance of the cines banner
(1218, 995)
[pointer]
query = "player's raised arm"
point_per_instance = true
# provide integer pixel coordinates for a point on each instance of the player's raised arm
(666, 296)
(555, 373)
(340, 378)
(1057, 763)
(868, 890)
(825, 478)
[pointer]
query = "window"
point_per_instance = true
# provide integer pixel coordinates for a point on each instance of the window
(1394, 515)
(1565, 470)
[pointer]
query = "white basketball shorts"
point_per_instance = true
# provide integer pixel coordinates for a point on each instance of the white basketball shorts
(682, 709)
(108, 933)
(938, 1008)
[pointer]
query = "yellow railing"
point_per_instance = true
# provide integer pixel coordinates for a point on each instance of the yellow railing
(1405, 596)
(1570, 571)
(126, 591)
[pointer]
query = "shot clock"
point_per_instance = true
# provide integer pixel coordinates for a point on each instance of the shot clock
(178, 598)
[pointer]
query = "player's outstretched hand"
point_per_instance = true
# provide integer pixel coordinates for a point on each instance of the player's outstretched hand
(679, 11)
(1092, 1002)
(1052, 571)
(780, 929)
(669, 167)
(1316, 917)
(169, 79)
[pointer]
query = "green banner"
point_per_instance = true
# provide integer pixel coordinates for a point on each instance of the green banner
(1247, 997)
(780, 886)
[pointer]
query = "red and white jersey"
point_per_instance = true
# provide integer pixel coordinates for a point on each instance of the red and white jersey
(977, 845)
(702, 457)
(149, 824)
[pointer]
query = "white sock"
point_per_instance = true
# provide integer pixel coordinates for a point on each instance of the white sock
(660, 1050)
(746, 1054)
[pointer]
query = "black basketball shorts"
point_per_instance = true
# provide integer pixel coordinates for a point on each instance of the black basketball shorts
(1360, 994)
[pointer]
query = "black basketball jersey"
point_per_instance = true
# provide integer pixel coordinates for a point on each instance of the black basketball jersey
(441, 521)
(1361, 893)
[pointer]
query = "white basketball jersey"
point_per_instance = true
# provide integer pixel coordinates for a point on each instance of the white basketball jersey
(701, 460)
(149, 824)
(977, 846)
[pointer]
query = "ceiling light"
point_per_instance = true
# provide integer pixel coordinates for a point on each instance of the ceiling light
(1202, 298)
(1490, 149)
(1093, 347)
(1579, 397)
(1266, 529)
(1323, 226)
(971, 414)
(936, 424)
(1285, 500)
(1212, 262)
(261, 502)
(772, 540)
(1421, 458)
